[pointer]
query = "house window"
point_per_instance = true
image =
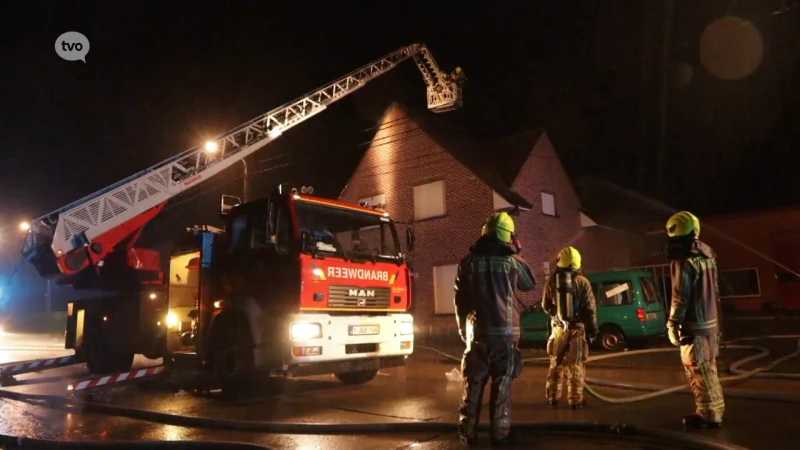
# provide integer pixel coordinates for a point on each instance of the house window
(738, 283)
(429, 200)
(376, 201)
(444, 280)
(499, 202)
(615, 293)
(548, 204)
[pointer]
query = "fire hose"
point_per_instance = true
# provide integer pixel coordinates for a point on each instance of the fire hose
(616, 431)
(683, 440)
(739, 374)
(13, 442)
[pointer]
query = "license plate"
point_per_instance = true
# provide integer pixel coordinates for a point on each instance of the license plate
(364, 330)
(652, 316)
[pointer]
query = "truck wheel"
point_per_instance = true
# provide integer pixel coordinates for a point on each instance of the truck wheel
(102, 359)
(360, 377)
(612, 338)
(232, 360)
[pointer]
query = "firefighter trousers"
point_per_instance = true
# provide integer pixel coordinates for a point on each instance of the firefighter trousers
(500, 359)
(568, 351)
(699, 359)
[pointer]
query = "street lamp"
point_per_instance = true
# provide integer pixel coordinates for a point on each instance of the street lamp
(24, 226)
(212, 147)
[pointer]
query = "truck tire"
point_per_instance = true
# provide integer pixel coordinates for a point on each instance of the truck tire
(360, 377)
(101, 359)
(231, 355)
(611, 338)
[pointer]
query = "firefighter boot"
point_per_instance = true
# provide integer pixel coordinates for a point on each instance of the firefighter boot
(470, 410)
(500, 410)
(696, 421)
(579, 405)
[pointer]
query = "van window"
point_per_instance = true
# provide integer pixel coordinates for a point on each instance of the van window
(649, 290)
(615, 293)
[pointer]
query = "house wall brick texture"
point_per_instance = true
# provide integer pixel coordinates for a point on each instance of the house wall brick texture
(604, 249)
(543, 236)
(402, 156)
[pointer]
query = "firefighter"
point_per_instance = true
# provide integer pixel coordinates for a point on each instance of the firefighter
(694, 322)
(569, 301)
(487, 315)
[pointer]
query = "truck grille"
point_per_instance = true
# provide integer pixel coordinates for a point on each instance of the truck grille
(358, 297)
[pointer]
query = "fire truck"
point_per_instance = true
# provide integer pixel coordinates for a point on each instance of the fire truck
(293, 285)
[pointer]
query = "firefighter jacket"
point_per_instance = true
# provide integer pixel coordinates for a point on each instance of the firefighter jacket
(569, 300)
(695, 292)
(484, 288)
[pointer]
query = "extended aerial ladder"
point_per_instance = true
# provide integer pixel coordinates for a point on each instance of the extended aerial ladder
(82, 234)
(85, 243)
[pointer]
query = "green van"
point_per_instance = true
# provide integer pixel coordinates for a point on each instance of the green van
(629, 308)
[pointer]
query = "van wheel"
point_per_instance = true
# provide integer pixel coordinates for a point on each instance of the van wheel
(360, 377)
(612, 338)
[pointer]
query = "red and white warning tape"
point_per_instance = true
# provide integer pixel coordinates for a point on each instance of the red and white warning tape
(117, 378)
(41, 364)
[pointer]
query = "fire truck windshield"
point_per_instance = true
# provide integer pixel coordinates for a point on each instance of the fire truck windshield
(346, 232)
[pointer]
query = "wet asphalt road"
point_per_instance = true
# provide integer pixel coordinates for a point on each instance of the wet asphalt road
(418, 392)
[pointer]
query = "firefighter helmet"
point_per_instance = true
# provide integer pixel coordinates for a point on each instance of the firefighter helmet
(683, 223)
(501, 224)
(569, 257)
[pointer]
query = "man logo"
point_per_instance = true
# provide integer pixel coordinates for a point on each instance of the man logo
(361, 293)
(362, 302)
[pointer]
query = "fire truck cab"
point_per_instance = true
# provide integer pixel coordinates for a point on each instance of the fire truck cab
(296, 286)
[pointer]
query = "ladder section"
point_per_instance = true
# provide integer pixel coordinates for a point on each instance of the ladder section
(444, 91)
(80, 222)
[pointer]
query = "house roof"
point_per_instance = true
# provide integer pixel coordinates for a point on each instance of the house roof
(516, 149)
(469, 152)
(617, 207)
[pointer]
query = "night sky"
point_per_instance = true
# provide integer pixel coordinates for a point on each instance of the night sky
(161, 77)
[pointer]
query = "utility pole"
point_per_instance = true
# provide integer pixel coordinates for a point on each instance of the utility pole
(662, 135)
(644, 102)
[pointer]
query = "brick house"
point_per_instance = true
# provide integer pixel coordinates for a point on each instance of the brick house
(435, 176)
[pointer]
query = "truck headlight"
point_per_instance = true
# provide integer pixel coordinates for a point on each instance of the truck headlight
(302, 331)
(172, 320)
(406, 327)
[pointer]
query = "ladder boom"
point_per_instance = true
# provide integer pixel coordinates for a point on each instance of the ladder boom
(79, 223)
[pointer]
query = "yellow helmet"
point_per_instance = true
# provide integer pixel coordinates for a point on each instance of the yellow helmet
(569, 256)
(501, 224)
(683, 224)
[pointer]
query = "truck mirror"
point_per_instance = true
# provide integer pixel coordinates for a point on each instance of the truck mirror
(410, 239)
(227, 203)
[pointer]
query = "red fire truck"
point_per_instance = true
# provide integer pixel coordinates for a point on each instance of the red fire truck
(293, 285)
(314, 286)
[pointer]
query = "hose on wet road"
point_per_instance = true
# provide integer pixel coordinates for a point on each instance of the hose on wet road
(593, 429)
(682, 440)
(739, 374)
(14, 442)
